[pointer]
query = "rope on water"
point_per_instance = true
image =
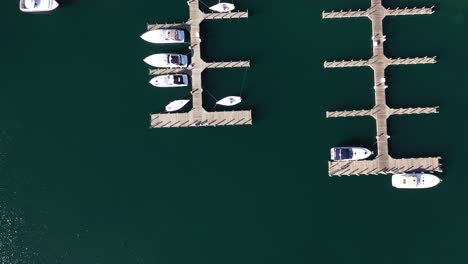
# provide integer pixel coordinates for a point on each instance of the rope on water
(212, 96)
(204, 4)
(216, 100)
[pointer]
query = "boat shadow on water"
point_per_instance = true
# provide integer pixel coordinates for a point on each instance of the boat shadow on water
(66, 3)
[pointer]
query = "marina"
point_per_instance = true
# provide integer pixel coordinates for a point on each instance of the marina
(84, 179)
(198, 116)
(383, 162)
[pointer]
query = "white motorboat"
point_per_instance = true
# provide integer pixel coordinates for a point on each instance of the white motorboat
(170, 80)
(229, 101)
(167, 60)
(415, 181)
(349, 153)
(223, 7)
(33, 6)
(163, 36)
(176, 105)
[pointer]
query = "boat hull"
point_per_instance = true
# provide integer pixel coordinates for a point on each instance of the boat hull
(43, 6)
(167, 81)
(415, 181)
(161, 61)
(349, 153)
(176, 105)
(229, 101)
(223, 7)
(164, 36)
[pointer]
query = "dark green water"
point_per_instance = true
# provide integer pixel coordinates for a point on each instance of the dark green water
(83, 179)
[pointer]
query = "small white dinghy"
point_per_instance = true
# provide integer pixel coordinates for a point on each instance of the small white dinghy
(176, 105)
(229, 101)
(223, 7)
(32, 6)
(167, 60)
(415, 181)
(164, 36)
(170, 80)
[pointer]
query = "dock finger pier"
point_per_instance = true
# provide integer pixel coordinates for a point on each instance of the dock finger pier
(198, 116)
(383, 163)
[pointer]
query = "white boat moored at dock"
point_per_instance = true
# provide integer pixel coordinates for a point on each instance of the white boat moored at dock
(349, 153)
(167, 60)
(32, 6)
(415, 181)
(176, 105)
(383, 163)
(229, 101)
(170, 80)
(164, 36)
(198, 116)
(223, 7)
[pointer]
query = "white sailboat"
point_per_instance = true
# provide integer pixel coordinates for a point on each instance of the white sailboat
(33, 6)
(176, 105)
(164, 36)
(415, 181)
(229, 101)
(223, 7)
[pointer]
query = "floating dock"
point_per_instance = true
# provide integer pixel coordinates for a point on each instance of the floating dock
(198, 116)
(383, 163)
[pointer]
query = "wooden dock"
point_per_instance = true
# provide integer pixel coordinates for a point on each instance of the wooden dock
(198, 116)
(383, 163)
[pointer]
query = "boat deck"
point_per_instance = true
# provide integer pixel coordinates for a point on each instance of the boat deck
(198, 116)
(383, 163)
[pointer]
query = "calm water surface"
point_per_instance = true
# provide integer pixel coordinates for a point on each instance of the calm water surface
(83, 179)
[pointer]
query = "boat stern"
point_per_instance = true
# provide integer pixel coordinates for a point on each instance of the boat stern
(332, 154)
(181, 36)
(184, 61)
(185, 79)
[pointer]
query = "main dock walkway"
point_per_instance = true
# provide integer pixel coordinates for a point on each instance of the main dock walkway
(198, 116)
(383, 163)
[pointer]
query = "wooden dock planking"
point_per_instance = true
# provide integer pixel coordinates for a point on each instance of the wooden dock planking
(383, 163)
(198, 116)
(227, 64)
(410, 11)
(378, 7)
(385, 110)
(230, 15)
(374, 167)
(150, 27)
(193, 119)
(167, 71)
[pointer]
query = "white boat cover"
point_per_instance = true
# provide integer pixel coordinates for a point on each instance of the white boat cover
(229, 101)
(176, 105)
(223, 7)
